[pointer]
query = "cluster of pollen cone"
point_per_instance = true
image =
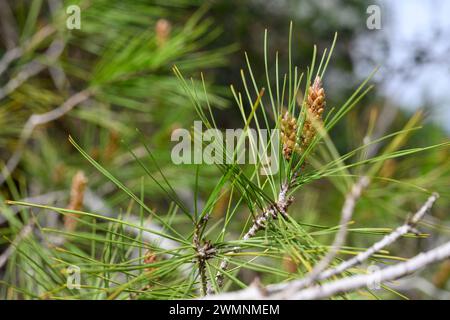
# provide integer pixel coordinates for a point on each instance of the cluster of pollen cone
(315, 105)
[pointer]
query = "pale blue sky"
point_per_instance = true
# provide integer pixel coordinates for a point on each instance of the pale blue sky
(410, 26)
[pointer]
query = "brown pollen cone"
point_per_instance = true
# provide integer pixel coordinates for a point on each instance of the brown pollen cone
(79, 182)
(315, 104)
(288, 135)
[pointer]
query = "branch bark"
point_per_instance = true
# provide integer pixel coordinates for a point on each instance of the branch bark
(344, 285)
(390, 273)
(295, 289)
(204, 251)
(281, 206)
(408, 227)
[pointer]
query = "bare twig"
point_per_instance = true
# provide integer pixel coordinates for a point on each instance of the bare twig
(34, 67)
(9, 57)
(346, 215)
(56, 71)
(46, 198)
(423, 285)
(36, 120)
(293, 288)
(409, 226)
(149, 234)
(17, 52)
(95, 203)
(344, 285)
(385, 119)
(390, 273)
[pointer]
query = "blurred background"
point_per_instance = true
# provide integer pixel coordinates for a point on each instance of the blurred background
(114, 74)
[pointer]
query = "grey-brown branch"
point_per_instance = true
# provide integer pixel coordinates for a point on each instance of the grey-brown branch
(296, 289)
(279, 207)
(346, 214)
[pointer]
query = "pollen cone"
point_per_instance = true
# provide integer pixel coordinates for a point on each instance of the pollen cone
(315, 105)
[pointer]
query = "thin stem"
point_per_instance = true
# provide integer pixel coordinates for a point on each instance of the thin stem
(204, 251)
(281, 206)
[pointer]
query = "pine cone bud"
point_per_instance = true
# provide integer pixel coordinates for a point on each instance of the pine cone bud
(79, 183)
(162, 29)
(288, 135)
(315, 105)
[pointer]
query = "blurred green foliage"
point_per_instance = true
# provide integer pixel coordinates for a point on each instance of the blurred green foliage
(123, 56)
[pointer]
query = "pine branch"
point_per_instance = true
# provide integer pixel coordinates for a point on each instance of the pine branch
(390, 273)
(17, 52)
(32, 68)
(280, 207)
(344, 285)
(315, 105)
(408, 227)
(294, 289)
